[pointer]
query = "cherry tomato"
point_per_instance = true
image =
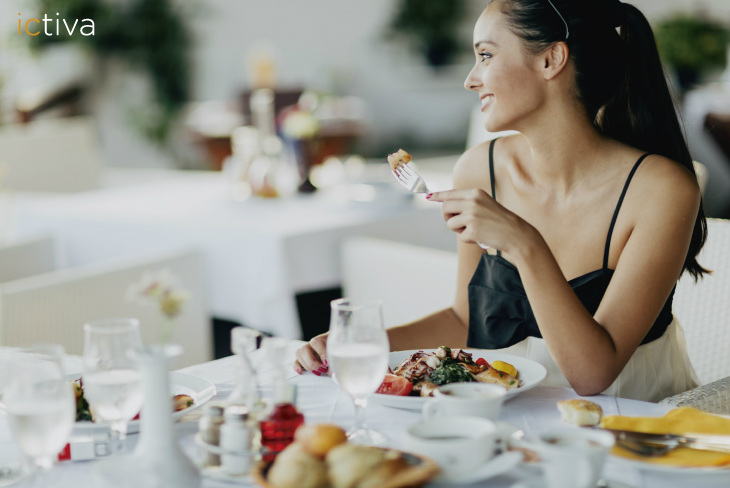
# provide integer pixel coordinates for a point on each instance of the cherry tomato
(482, 362)
(395, 385)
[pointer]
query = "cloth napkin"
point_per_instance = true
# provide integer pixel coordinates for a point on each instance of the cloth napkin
(681, 421)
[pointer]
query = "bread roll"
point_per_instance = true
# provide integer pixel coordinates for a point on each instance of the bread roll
(579, 412)
(350, 463)
(318, 439)
(295, 468)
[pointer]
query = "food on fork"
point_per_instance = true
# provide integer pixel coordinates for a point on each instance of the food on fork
(580, 412)
(428, 370)
(398, 158)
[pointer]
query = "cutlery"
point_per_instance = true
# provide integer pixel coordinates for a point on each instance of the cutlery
(408, 177)
(695, 441)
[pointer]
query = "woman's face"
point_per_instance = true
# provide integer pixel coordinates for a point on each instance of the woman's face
(505, 76)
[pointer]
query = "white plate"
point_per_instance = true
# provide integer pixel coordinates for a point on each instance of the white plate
(180, 384)
(674, 470)
(530, 372)
(499, 464)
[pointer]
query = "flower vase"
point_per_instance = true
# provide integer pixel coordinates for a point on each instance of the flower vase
(157, 446)
(304, 152)
(157, 460)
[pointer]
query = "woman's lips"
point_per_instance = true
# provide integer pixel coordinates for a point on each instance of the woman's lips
(486, 100)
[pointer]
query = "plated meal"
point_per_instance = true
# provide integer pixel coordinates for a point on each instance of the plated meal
(422, 372)
(84, 412)
(526, 375)
(197, 390)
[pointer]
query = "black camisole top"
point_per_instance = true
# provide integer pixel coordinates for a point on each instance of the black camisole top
(499, 310)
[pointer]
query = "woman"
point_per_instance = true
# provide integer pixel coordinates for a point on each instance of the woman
(592, 211)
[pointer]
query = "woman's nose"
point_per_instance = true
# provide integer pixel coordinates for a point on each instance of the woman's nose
(472, 82)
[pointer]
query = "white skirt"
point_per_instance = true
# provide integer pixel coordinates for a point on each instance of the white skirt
(658, 369)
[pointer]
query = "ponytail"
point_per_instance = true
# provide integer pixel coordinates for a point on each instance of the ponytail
(642, 114)
(619, 78)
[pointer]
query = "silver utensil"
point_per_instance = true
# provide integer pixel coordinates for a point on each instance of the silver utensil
(695, 441)
(645, 448)
(407, 177)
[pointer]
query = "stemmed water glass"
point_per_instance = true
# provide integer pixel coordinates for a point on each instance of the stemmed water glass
(40, 404)
(111, 378)
(357, 351)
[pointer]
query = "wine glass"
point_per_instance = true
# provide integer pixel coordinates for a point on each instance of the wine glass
(40, 404)
(357, 351)
(111, 378)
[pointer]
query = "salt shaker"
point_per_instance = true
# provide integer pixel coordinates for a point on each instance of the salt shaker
(236, 440)
(209, 427)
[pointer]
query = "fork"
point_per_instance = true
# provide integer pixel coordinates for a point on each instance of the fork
(416, 184)
(647, 449)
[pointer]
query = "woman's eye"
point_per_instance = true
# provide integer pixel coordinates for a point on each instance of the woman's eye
(484, 55)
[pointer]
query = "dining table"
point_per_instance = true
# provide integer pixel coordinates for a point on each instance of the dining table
(321, 400)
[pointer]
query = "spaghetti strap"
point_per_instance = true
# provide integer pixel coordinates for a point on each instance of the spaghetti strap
(491, 174)
(618, 207)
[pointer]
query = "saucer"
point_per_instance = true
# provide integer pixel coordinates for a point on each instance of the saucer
(499, 464)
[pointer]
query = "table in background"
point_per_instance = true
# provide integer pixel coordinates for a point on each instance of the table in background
(259, 254)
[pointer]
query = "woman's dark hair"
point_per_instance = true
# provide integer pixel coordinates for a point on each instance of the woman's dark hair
(619, 77)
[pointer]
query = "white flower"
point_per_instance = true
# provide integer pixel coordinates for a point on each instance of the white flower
(300, 124)
(160, 289)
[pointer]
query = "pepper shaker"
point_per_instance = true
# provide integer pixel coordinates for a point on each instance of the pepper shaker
(209, 427)
(236, 440)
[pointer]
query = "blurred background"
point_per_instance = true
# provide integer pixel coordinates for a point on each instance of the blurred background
(238, 86)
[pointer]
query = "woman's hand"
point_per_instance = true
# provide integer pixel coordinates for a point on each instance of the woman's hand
(313, 356)
(478, 218)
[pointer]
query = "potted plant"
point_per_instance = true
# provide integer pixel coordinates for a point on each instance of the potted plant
(151, 36)
(692, 46)
(431, 27)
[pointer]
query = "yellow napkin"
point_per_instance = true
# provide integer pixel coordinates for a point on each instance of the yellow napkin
(680, 421)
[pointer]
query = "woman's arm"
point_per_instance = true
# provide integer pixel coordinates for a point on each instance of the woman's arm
(658, 213)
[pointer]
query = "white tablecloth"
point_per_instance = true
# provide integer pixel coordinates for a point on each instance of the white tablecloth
(258, 253)
(322, 401)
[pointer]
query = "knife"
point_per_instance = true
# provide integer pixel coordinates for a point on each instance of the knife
(696, 441)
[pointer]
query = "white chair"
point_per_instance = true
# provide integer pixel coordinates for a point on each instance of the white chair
(703, 308)
(53, 307)
(51, 155)
(412, 281)
(26, 256)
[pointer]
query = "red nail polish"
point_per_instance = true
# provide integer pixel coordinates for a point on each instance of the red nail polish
(322, 370)
(428, 197)
(324, 361)
(317, 373)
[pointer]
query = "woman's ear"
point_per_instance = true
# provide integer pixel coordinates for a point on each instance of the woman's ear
(554, 60)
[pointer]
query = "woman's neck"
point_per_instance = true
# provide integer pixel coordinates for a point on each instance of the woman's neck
(564, 147)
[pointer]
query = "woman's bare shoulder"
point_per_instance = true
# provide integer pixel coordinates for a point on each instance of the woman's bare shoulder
(472, 168)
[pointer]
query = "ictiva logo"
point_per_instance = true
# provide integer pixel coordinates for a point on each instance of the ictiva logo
(86, 29)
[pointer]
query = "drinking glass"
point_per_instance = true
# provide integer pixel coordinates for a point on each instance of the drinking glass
(40, 404)
(111, 378)
(357, 351)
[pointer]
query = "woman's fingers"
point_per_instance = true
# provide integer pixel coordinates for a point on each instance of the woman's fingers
(308, 359)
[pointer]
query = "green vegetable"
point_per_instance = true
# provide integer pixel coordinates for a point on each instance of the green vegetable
(449, 371)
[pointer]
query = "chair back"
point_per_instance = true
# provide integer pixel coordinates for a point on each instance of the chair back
(53, 307)
(703, 308)
(411, 280)
(51, 155)
(26, 256)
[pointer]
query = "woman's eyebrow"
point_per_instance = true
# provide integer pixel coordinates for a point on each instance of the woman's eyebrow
(486, 41)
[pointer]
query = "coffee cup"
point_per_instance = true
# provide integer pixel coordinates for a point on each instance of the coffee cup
(457, 444)
(472, 399)
(573, 457)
